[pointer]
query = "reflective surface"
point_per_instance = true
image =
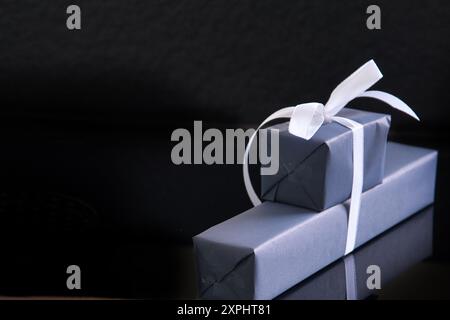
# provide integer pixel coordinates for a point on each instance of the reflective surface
(385, 257)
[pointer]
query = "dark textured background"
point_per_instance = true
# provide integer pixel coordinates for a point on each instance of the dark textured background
(88, 114)
(233, 61)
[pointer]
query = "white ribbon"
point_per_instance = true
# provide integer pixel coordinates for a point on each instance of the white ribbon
(351, 287)
(307, 118)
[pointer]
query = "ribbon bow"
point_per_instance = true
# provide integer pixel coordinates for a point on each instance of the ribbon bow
(307, 118)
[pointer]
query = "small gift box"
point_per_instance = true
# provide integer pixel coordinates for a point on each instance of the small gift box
(264, 251)
(317, 173)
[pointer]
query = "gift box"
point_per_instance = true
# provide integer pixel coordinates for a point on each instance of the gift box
(317, 173)
(394, 252)
(266, 250)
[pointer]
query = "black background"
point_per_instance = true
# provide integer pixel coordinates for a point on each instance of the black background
(88, 115)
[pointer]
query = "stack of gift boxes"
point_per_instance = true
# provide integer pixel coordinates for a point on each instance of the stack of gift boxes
(301, 227)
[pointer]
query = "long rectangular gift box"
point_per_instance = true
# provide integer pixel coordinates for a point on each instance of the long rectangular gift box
(266, 250)
(317, 173)
(394, 252)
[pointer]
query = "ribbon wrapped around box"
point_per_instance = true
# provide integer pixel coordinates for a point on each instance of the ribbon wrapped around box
(394, 252)
(264, 251)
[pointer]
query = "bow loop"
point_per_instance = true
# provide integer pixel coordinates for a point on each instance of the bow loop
(353, 86)
(306, 119)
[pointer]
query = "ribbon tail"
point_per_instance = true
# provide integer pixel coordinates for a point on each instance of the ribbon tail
(358, 176)
(391, 100)
(282, 113)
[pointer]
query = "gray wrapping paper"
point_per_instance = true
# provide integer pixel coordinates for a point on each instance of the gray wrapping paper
(317, 173)
(266, 250)
(394, 252)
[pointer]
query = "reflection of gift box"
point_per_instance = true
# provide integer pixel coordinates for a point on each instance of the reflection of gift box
(266, 250)
(394, 252)
(317, 173)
